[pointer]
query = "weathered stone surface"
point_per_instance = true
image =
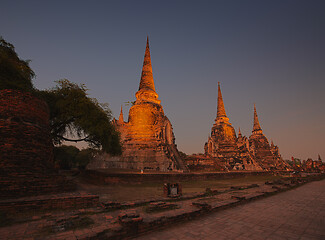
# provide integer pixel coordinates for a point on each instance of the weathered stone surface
(160, 206)
(202, 162)
(267, 156)
(147, 138)
(241, 153)
(26, 158)
(49, 202)
(308, 165)
(224, 147)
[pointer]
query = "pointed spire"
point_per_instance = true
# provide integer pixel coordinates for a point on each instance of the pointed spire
(221, 112)
(146, 81)
(256, 128)
(239, 133)
(147, 89)
(120, 119)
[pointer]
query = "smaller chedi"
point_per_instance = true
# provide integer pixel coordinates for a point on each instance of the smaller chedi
(148, 141)
(241, 153)
(224, 146)
(267, 156)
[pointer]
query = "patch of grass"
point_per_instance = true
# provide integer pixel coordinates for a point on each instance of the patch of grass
(149, 190)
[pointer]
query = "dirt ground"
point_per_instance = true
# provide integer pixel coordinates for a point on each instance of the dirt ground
(149, 190)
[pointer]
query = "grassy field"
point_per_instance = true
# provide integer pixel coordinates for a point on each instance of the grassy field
(148, 190)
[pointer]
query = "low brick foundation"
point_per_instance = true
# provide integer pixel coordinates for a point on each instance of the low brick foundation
(49, 202)
(103, 177)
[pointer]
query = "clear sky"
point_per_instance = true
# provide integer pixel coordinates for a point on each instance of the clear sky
(269, 52)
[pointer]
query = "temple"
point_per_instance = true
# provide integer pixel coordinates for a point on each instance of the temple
(223, 137)
(266, 155)
(147, 137)
(223, 145)
(239, 153)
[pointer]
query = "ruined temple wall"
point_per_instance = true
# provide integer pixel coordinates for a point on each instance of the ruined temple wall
(102, 177)
(146, 157)
(24, 130)
(264, 155)
(135, 156)
(26, 150)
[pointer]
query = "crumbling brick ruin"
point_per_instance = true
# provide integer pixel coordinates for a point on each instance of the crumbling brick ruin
(241, 153)
(26, 156)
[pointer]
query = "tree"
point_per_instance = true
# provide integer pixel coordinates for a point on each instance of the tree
(14, 72)
(65, 156)
(182, 155)
(84, 157)
(72, 112)
(75, 117)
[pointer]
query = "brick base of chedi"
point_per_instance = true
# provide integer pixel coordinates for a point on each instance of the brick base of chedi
(147, 138)
(26, 166)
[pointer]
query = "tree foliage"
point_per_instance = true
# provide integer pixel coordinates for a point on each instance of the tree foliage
(182, 155)
(14, 72)
(76, 117)
(67, 157)
(84, 157)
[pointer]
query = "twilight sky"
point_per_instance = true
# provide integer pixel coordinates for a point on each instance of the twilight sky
(269, 52)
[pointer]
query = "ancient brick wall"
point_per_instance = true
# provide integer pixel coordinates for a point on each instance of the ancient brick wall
(50, 202)
(102, 177)
(24, 129)
(26, 154)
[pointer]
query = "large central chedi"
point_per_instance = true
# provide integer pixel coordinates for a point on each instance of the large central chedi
(147, 138)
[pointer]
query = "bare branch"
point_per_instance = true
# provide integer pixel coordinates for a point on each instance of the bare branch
(73, 140)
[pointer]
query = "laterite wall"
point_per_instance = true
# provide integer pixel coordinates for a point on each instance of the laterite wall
(102, 177)
(24, 130)
(26, 151)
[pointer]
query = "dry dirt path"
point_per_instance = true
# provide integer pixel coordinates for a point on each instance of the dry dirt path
(295, 214)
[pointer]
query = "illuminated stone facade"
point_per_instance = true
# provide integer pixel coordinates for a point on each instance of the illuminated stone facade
(308, 165)
(267, 156)
(224, 146)
(147, 138)
(241, 153)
